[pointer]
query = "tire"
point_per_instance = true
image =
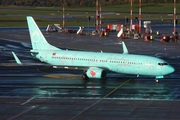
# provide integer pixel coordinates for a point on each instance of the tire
(85, 77)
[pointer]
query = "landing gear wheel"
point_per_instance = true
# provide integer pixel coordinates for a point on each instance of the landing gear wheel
(85, 77)
(157, 81)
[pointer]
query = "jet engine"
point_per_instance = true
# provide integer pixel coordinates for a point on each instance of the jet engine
(96, 73)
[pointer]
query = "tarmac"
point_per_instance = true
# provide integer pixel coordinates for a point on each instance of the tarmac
(41, 92)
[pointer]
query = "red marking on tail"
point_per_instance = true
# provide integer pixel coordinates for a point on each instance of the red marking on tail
(54, 54)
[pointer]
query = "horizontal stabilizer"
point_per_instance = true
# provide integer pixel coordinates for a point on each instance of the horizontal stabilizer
(17, 59)
(125, 50)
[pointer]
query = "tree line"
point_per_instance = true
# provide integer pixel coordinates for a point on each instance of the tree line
(75, 3)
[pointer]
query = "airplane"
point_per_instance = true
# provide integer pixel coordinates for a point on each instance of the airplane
(95, 64)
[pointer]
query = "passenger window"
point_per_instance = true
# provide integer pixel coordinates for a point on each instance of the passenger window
(161, 64)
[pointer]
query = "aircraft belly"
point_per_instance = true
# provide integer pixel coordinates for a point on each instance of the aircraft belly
(122, 68)
(134, 69)
(140, 70)
(150, 71)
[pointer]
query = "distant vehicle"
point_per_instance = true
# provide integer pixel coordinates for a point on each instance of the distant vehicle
(165, 38)
(80, 31)
(70, 31)
(104, 32)
(95, 64)
(54, 28)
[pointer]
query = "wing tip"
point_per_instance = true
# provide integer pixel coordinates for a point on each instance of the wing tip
(125, 50)
(16, 59)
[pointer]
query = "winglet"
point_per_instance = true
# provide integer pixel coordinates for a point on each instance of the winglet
(16, 58)
(125, 50)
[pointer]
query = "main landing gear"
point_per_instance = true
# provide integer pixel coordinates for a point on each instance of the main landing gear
(84, 76)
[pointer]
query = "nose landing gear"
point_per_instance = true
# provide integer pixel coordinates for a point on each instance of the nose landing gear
(157, 81)
(158, 77)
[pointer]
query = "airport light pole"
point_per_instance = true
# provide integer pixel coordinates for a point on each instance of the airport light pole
(89, 18)
(125, 17)
(100, 17)
(63, 17)
(174, 17)
(97, 15)
(140, 17)
(131, 16)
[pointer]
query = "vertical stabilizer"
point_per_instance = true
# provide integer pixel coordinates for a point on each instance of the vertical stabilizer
(37, 39)
(125, 50)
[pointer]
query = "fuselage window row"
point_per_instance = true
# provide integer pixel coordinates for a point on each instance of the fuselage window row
(161, 64)
(95, 60)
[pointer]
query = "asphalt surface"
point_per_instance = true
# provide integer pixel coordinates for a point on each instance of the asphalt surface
(38, 91)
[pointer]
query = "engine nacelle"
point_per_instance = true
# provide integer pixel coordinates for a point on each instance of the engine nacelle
(96, 73)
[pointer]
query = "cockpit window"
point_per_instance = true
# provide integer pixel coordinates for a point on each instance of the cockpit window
(161, 64)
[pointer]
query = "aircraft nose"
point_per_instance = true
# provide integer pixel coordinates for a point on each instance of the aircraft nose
(171, 69)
